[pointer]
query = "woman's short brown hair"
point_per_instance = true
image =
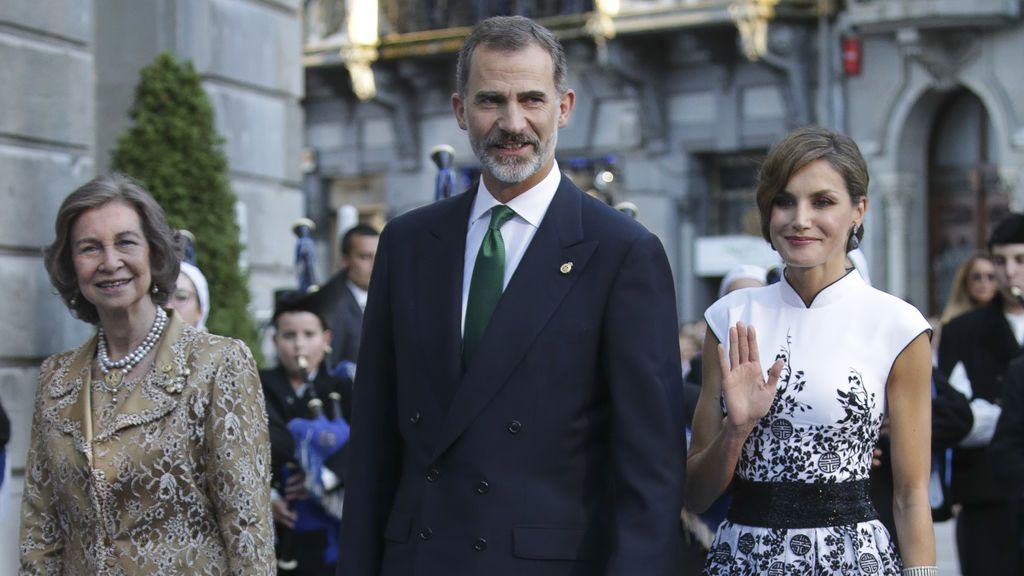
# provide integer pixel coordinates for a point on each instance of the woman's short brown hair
(164, 243)
(800, 148)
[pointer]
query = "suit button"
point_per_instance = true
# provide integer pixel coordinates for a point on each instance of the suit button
(482, 487)
(480, 545)
(433, 474)
(414, 419)
(426, 533)
(514, 427)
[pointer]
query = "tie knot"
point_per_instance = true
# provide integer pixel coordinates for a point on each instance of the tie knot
(499, 215)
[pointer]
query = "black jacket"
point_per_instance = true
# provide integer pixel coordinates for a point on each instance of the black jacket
(1008, 443)
(951, 421)
(983, 341)
(345, 319)
(558, 450)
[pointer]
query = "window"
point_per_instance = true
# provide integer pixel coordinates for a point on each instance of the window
(732, 181)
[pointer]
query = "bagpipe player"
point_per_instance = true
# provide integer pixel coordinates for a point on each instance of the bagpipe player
(308, 410)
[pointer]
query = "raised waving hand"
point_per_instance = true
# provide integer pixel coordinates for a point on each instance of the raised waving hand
(747, 395)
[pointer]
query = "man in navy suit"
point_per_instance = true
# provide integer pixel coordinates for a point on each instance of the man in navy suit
(517, 400)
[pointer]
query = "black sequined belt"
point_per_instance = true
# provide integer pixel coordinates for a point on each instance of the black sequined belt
(800, 504)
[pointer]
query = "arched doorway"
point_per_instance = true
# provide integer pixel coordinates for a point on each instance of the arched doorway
(964, 195)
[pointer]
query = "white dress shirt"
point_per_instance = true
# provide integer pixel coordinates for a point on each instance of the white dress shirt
(530, 207)
(359, 294)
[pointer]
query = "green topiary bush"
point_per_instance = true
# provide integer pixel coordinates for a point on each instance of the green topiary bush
(173, 149)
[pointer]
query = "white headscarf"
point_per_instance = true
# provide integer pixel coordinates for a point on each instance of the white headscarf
(743, 272)
(202, 291)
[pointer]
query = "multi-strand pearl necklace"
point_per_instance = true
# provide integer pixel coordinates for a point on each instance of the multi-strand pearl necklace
(114, 370)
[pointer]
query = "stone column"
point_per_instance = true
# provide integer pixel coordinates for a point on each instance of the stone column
(896, 191)
(1009, 182)
(689, 302)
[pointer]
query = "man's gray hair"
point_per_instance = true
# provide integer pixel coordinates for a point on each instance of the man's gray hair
(510, 34)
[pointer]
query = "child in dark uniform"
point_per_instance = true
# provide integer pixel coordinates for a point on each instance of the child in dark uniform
(307, 488)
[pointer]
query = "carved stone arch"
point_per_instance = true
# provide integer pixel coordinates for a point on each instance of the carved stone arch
(897, 163)
(973, 77)
(903, 178)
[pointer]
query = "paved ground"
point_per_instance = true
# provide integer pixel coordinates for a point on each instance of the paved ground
(945, 548)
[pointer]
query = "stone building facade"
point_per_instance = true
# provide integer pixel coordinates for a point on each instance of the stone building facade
(330, 109)
(67, 74)
(677, 100)
(938, 110)
(680, 99)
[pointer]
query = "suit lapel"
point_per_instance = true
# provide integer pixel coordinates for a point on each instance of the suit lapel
(438, 277)
(349, 302)
(533, 294)
(72, 412)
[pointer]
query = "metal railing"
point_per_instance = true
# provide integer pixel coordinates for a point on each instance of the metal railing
(327, 18)
(405, 16)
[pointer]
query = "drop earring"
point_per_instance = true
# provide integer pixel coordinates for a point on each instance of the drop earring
(853, 243)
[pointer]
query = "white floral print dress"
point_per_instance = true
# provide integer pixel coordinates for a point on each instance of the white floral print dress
(821, 429)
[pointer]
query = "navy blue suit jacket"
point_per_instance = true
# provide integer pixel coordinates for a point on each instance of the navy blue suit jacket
(559, 450)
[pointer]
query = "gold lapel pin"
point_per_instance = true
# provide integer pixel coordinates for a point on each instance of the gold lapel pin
(566, 268)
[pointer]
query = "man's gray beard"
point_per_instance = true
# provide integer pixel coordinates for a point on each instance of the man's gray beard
(515, 170)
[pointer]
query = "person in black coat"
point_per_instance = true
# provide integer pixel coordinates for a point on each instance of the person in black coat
(1007, 448)
(289, 388)
(974, 352)
(951, 421)
(344, 295)
(1008, 443)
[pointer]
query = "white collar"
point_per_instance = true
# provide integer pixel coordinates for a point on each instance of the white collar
(530, 205)
(358, 293)
(834, 292)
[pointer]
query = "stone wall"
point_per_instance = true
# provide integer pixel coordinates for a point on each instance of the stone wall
(68, 69)
(46, 149)
(249, 55)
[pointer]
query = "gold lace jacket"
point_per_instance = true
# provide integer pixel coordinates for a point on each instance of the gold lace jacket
(173, 479)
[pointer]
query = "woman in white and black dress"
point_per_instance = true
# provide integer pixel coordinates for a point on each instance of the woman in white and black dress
(790, 415)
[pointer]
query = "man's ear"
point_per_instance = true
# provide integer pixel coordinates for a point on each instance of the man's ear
(458, 106)
(565, 107)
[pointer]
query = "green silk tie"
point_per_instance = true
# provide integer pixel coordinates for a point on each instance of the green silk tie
(486, 286)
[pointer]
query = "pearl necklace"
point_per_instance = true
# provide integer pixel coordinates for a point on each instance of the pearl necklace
(114, 370)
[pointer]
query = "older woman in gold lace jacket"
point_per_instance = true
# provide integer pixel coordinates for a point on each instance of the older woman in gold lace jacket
(149, 452)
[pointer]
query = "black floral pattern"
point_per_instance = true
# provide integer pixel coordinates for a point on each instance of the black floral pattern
(784, 447)
(780, 449)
